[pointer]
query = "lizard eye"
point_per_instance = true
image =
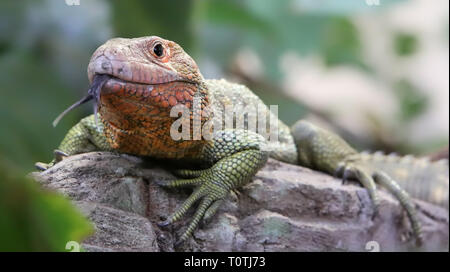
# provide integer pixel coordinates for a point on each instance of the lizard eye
(158, 50)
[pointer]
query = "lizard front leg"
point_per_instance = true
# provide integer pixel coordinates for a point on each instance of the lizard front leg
(85, 136)
(325, 151)
(236, 156)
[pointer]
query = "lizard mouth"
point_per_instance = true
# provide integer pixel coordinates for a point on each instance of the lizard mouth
(116, 93)
(114, 84)
(181, 91)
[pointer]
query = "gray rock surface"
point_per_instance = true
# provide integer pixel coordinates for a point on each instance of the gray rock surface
(284, 208)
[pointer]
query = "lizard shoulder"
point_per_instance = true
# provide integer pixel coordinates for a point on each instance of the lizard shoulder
(226, 93)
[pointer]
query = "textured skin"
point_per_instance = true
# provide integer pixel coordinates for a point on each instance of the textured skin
(421, 178)
(134, 112)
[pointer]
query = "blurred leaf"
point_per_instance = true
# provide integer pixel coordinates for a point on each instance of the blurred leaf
(272, 28)
(232, 13)
(33, 219)
(167, 19)
(34, 97)
(47, 46)
(341, 44)
(405, 44)
(412, 101)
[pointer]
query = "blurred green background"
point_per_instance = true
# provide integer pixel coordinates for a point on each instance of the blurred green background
(376, 74)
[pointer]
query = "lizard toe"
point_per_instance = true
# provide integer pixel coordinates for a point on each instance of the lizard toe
(164, 223)
(59, 155)
(41, 166)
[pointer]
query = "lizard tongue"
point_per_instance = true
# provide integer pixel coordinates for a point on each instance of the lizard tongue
(93, 93)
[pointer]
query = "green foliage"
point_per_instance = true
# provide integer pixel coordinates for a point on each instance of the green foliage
(273, 28)
(340, 44)
(405, 44)
(33, 219)
(43, 68)
(233, 13)
(26, 135)
(168, 19)
(412, 101)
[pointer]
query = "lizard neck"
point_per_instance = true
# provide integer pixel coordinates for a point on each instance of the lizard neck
(137, 119)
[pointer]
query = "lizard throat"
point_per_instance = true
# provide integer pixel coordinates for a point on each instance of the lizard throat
(137, 120)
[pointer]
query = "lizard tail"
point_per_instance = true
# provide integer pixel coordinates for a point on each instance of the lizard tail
(420, 177)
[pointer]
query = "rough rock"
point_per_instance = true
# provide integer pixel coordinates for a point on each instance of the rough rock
(284, 208)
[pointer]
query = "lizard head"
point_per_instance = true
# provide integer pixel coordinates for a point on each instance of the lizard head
(136, 82)
(146, 60)
(144, 76)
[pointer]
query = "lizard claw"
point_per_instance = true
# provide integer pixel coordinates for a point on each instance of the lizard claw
(41, 166)
(212, 185)
(59, 155)
(368, 178)
(353, 171)
(347, 175)
(211, 188)
(339, 170)
(164, 223)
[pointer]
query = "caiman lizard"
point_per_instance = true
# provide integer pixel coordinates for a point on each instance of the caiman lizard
(137, 82)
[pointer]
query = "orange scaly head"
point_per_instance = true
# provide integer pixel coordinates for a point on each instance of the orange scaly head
(148, 76)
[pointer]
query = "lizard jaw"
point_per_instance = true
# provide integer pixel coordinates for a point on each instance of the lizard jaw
(173, 92)
(122, 102)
